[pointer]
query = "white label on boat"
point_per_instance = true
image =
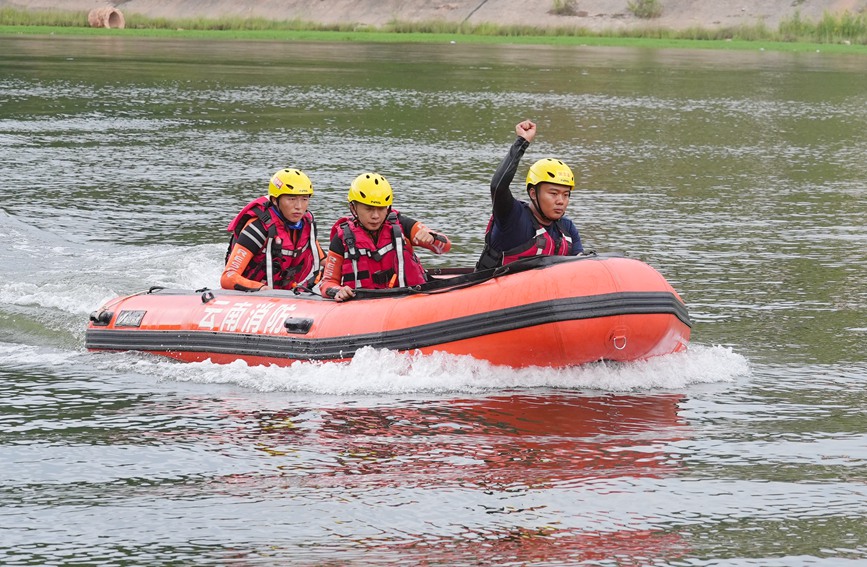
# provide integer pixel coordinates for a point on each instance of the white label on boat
(246, 317)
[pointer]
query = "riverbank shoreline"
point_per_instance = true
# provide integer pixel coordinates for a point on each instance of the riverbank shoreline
(597, 16)
(41, 32)
(846, 33)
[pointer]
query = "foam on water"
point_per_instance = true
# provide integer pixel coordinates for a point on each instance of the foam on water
(15, 356)
(81, 277)
(374, 371)
(81, 291)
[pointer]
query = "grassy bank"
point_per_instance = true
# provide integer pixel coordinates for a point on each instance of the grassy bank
(833, 34)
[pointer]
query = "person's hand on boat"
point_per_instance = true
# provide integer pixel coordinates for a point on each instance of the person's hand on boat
(344, 293)
(526, 130)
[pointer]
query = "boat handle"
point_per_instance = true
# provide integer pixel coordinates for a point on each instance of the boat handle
(207, 296)
(622, 345)
(298, 325)
(101, 318)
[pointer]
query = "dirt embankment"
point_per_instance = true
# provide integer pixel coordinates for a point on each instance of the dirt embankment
(594, 15)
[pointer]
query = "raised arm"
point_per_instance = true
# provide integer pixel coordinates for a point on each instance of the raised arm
(501, 194)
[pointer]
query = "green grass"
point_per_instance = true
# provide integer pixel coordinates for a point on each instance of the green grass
(846, 33)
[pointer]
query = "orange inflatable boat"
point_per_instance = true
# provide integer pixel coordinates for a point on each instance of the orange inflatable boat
(542, 311)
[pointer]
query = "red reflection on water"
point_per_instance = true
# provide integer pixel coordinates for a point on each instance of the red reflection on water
(520, 439)
(522, 546)
(519, 444)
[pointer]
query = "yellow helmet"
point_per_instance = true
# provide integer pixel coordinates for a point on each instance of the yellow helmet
(371, 189)
(289, 182)
(550, 170)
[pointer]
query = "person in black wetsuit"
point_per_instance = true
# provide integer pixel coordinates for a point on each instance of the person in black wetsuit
(519, 229)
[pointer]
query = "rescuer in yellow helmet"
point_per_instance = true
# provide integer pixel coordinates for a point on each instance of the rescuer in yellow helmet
(273, 242)
(373, 248)
(519, 229)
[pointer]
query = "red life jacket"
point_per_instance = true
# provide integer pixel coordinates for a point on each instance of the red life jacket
(541, 244)
(280, 263)
(388, 262)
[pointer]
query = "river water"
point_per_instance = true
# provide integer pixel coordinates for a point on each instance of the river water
(740, 176)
